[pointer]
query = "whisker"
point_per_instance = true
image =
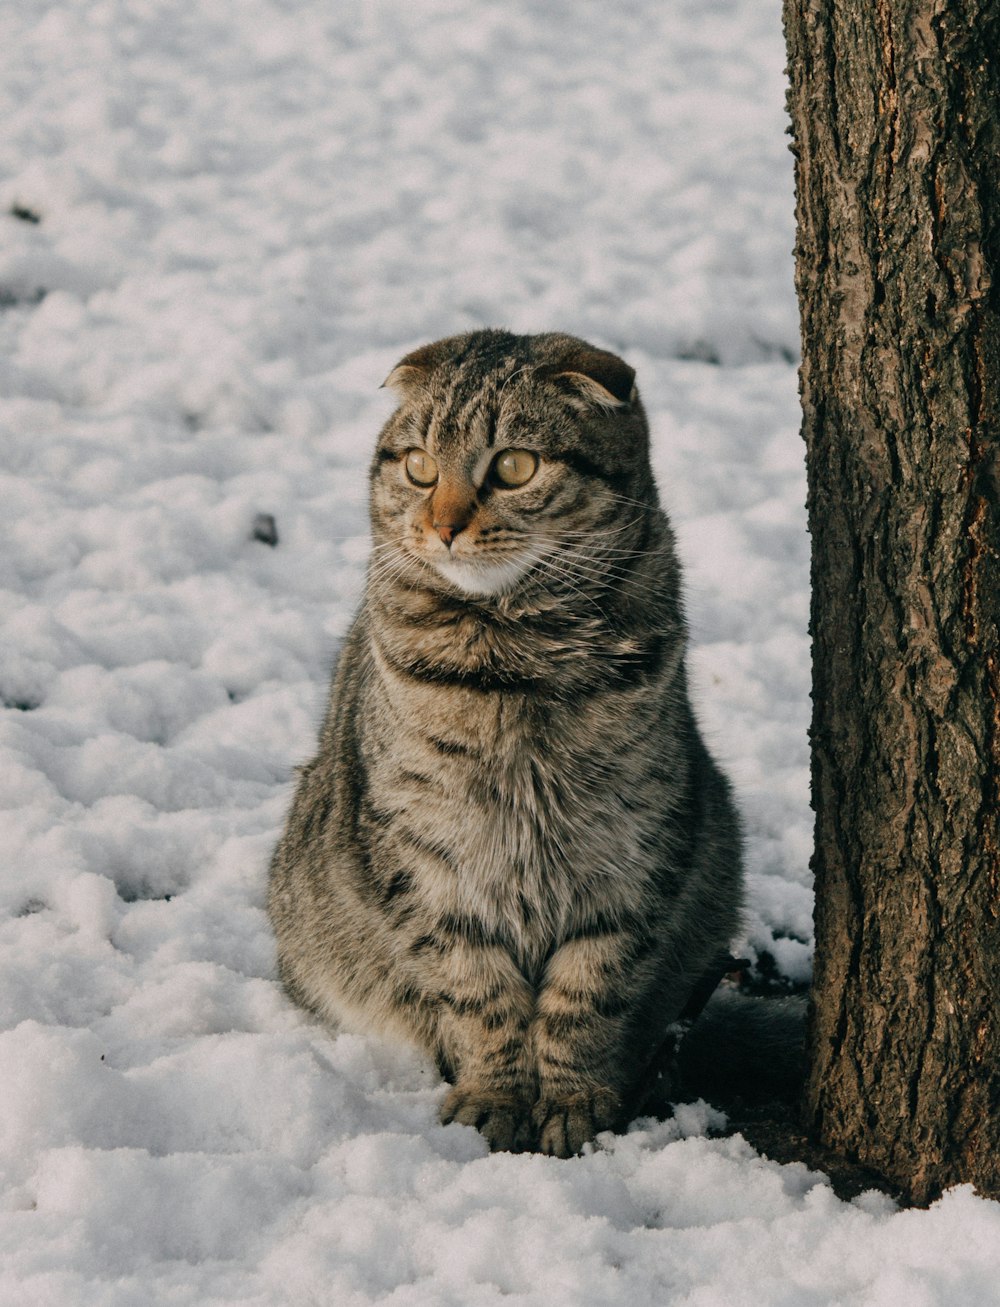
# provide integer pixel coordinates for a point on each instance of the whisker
(608, 572)
(386, 572)
(606, 530)
(554, 566)
(616, 577)
(602, 551)
(639, 503)
(516, 373)
(561, 577)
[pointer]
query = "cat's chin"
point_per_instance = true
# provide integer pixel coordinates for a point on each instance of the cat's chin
(478, 578)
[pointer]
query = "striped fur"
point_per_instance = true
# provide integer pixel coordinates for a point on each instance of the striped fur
(512, 846)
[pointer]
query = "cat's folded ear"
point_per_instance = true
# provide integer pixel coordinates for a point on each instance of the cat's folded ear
(413, 371)
(596, 376)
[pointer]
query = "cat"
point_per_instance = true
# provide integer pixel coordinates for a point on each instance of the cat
(512, 847)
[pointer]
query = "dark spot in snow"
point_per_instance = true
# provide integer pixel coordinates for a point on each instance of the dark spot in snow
(10, 299)
(699, 351)
(773, 349)
(764, 978)
(31, 907)
(19, 704)
(137, 891)
(789, 934)
(264, 529)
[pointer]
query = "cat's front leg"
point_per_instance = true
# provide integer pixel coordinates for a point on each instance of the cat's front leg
(580, 1039)
(486, 1008)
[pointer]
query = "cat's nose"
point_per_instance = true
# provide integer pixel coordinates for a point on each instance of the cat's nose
(451, 509)
(449, 530)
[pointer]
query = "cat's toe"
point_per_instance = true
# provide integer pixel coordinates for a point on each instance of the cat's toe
(502, 1119)
(553, 1138)
(507, 1130)
(564, 1125)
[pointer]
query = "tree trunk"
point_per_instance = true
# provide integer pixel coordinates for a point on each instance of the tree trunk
(895, 108)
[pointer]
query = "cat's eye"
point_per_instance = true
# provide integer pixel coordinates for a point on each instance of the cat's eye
(420, 467)
(514, 467)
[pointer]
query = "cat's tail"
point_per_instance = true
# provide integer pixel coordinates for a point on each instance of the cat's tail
(743, 1049)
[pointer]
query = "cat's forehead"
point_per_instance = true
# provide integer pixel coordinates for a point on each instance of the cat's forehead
(474, 396)
(499, 411)
(469, 393)
(472, 402)
(480, 366)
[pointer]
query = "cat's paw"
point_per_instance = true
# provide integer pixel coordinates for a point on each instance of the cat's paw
(504, 1120)
(565, 1123)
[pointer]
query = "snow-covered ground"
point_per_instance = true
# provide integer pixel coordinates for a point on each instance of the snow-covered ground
(221, 224)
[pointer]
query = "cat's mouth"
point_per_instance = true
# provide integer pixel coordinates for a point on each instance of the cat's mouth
(478, 576)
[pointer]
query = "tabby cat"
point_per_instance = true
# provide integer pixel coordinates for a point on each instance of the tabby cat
(512, 847)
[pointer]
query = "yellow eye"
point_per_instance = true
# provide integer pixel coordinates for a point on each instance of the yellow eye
(421, 468)
(515, 467)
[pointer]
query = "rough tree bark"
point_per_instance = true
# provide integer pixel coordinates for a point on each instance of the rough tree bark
(895, 108)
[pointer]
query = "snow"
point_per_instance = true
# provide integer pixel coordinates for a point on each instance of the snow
(222, 225)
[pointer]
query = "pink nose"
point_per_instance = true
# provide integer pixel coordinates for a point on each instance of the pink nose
(448, 530)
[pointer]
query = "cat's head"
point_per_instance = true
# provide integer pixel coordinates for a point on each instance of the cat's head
(507, 455)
